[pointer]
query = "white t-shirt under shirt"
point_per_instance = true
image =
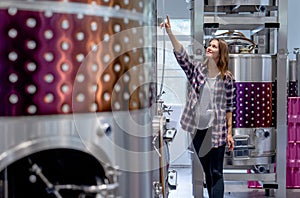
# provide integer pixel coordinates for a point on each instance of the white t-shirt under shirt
(204, 108)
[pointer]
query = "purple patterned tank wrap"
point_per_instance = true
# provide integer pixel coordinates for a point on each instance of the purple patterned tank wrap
(255, 105)
(293, 89)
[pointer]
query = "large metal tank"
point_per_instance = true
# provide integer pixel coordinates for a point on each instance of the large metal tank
(254, 118)
(293, 78)
(76, 94)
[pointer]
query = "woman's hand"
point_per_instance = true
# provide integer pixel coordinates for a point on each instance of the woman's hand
(176, 44)
(166, 25)
(230, 142)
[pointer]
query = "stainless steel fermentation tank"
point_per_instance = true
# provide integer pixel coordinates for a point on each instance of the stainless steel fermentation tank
(293, 78)
(76, 88)
(294, 75)
(254, 118)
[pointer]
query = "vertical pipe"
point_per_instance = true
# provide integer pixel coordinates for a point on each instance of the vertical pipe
(5, 186)
(282, 98)
(197, 20)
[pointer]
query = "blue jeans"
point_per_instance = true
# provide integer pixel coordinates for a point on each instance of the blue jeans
(212, 163)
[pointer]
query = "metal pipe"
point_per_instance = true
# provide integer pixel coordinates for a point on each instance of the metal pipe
(37, 170)
(5, 184)
(281, 126)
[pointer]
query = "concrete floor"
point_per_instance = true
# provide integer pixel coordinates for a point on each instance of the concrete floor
(233, 189)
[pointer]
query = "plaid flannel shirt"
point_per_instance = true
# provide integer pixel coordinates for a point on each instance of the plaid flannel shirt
(196, 74)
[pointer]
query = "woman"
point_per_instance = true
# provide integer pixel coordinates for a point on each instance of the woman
(208, 111)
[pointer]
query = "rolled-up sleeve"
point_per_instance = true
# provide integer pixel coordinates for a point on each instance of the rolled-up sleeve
(187, 65)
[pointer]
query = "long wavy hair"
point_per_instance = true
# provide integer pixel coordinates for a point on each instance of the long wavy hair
(223, 62)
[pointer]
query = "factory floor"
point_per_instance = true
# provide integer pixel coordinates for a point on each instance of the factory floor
(233, 189)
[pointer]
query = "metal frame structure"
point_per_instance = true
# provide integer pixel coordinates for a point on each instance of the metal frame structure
(257, 24)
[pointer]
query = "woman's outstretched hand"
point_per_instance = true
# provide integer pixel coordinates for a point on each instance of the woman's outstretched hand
(167, 25)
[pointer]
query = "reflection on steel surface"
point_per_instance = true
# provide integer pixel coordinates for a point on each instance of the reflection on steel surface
(42, 51)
